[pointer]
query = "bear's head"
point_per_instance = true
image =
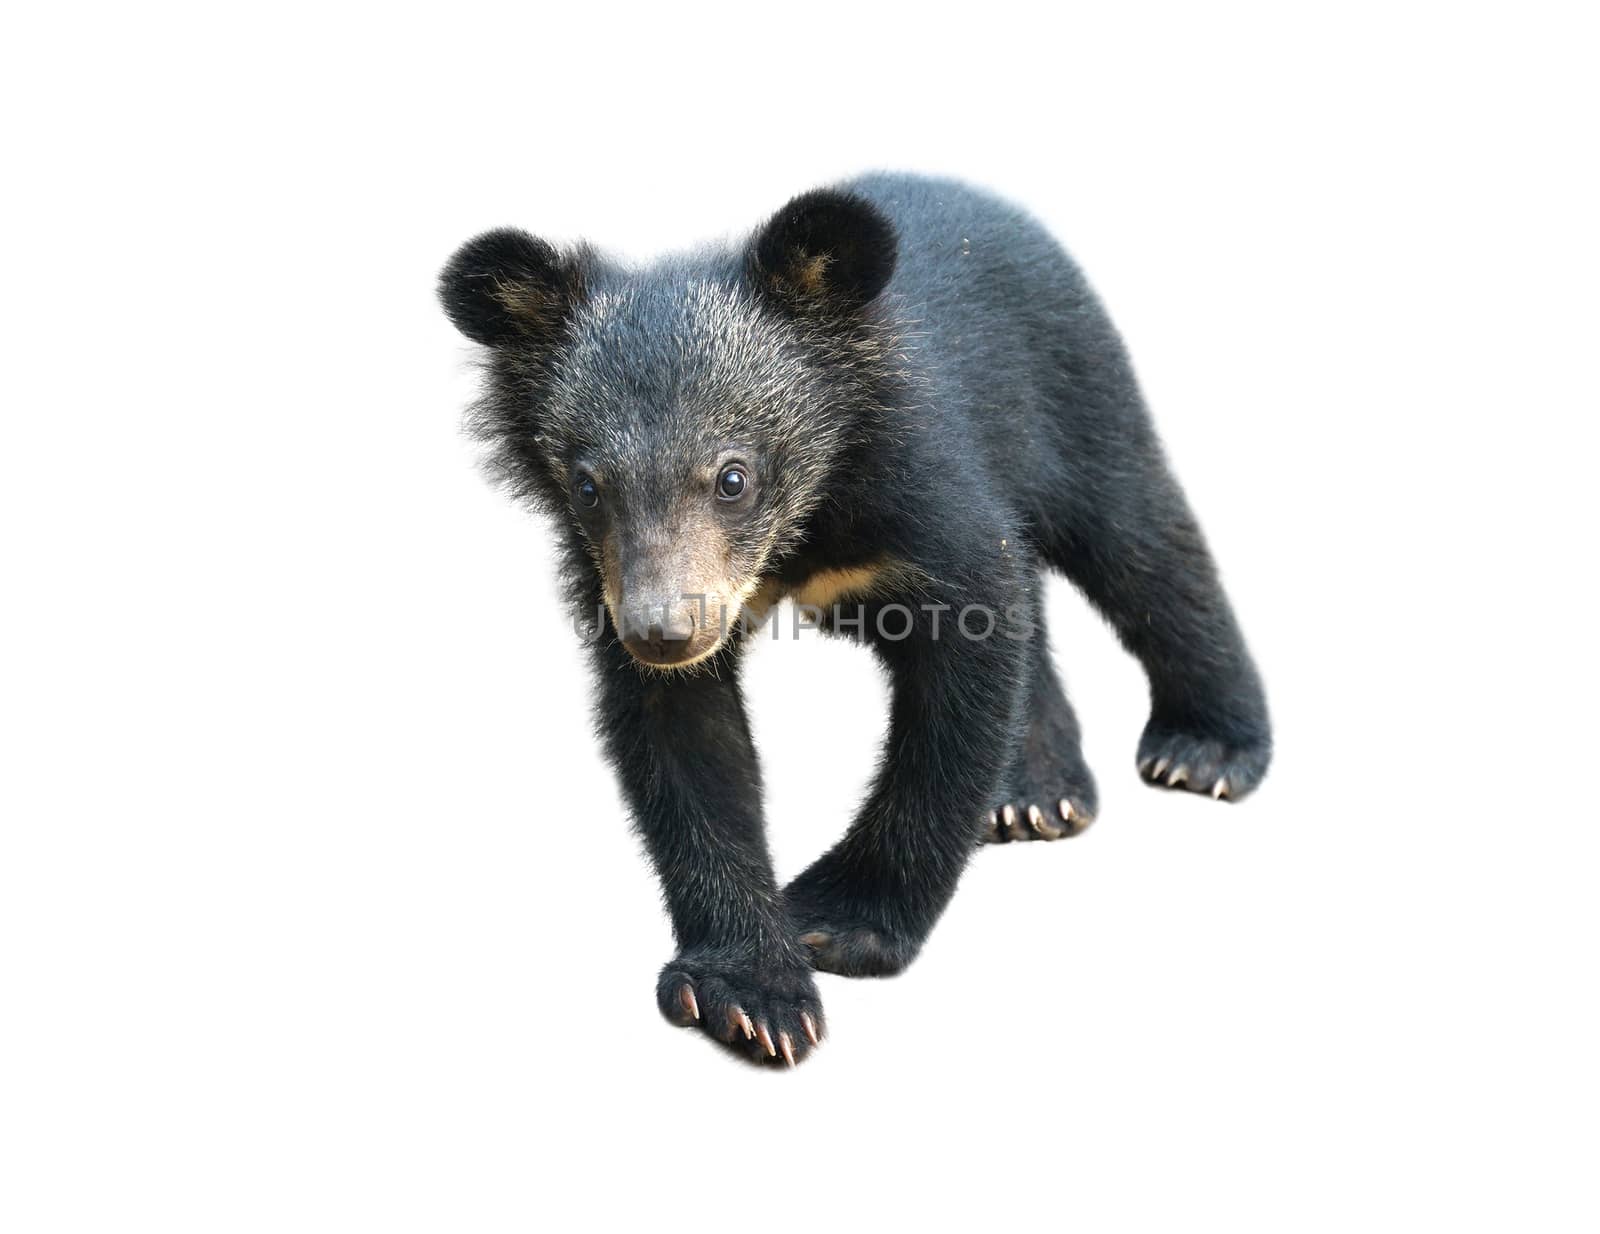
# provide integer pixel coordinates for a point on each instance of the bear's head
(682, 419)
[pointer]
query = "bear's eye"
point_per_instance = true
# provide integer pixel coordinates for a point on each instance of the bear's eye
(586, 491)
(732, 483)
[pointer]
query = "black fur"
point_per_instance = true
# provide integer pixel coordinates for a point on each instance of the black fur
(473, 286)
(852, 237)
(914, 373)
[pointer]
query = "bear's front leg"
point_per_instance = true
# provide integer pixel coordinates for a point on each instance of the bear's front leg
(866, 906)
(681, 746)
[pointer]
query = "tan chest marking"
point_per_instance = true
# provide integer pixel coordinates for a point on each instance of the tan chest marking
(826, 588)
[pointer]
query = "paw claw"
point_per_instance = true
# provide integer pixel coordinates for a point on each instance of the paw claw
(1046, 826)
(1214, 764)
(741, 1004)
(1065, 808)
(816, 938)
(1009, 814)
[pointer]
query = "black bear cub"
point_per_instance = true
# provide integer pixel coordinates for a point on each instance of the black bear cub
(897, 404)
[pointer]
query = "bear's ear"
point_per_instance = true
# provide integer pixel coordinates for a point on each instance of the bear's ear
(506, 286)
(825, 249)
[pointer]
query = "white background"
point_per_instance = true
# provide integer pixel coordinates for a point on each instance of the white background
(318, 909)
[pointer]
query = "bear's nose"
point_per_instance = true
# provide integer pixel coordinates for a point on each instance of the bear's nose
(659, 636)
(668, 641)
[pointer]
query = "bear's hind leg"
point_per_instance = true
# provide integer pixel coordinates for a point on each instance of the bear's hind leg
(1136, 551)
(1050, 792)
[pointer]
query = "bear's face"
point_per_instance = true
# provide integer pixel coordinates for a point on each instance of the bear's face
(683, 419)
(693, 431)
